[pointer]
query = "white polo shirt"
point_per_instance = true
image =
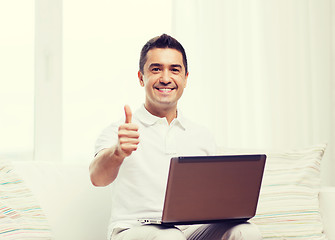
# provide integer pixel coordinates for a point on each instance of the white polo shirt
(139, 188)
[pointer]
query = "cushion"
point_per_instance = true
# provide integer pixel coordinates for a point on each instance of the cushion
(20, 215)
(288, 205)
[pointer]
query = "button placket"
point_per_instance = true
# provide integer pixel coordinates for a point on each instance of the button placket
(170, 143)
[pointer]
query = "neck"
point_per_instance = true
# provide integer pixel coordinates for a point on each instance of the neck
(169, 113)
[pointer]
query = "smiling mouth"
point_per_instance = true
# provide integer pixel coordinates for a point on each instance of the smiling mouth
(165, 90)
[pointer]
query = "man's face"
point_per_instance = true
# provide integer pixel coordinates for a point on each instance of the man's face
(163, 78)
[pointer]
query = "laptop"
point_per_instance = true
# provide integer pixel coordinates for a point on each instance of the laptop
(208, 189)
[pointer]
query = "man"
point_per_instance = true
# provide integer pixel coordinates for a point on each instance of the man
(134, 154)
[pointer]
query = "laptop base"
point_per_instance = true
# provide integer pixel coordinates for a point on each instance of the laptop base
(158, 221)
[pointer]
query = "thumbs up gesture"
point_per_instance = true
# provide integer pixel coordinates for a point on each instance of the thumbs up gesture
(128, 135)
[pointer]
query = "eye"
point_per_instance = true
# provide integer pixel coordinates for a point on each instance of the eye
(155, 69)
(175, 70)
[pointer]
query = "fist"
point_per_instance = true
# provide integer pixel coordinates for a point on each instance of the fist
(128, 135)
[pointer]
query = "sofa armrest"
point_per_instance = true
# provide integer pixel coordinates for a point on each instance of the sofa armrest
(327, 207)
(74, 208)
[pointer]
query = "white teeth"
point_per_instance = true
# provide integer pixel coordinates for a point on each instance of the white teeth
(165, 89)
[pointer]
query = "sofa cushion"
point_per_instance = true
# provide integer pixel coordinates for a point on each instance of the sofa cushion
(75, 209)
(21, 217)
(288, 205)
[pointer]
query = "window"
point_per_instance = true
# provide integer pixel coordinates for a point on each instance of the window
(101, 48)
(17, 79)
(67, 69)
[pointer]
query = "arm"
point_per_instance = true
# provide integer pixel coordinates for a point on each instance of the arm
(105, 166)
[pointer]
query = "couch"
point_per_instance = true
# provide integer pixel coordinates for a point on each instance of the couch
(76, 210)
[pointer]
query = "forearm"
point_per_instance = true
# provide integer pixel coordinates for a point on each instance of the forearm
(105, 167)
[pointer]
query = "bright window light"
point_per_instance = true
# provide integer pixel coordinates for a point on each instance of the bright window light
(101, 46)
(17, 79)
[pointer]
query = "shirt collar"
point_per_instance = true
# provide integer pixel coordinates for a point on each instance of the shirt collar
(147, 118)
(180, 120)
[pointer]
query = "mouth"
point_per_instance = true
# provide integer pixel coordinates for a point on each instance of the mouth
(164, 89)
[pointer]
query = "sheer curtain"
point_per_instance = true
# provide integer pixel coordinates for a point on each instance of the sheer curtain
(261, 72)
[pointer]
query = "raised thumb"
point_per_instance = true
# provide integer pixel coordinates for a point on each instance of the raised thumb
(128, 113)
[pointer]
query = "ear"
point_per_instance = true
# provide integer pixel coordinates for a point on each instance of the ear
(140, 78)
(186, 77)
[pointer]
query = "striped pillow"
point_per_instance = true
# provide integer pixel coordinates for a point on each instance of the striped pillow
(288, 206)
(20, 215)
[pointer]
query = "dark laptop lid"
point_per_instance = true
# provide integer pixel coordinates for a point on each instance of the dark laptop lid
(213, 188)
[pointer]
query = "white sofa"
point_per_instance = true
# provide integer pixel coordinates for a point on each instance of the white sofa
(78, 211)
(75, 209)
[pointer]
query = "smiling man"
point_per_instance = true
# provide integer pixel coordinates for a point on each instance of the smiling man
(133, 154)
(164, 79)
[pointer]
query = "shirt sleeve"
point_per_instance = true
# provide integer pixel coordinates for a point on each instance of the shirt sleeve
(107, 138)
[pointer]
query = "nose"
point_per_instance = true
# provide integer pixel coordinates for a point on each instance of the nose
(165, 78)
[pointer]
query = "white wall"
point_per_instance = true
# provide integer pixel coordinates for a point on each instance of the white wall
(17, 78)
(262, 72)
(68, 69)
(101, 53)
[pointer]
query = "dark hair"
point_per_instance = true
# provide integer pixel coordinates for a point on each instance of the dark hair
(163, 41)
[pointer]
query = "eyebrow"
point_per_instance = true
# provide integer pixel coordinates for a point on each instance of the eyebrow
(160, 65)
(155, 65)
(176, 66)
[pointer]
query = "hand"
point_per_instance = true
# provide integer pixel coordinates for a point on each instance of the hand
(128, 136)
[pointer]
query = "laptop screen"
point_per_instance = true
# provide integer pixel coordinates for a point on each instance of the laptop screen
(213, 188)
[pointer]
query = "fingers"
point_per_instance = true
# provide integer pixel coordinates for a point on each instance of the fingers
(128, 139)
(128, 145)
(128, 114)
(128, 130)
